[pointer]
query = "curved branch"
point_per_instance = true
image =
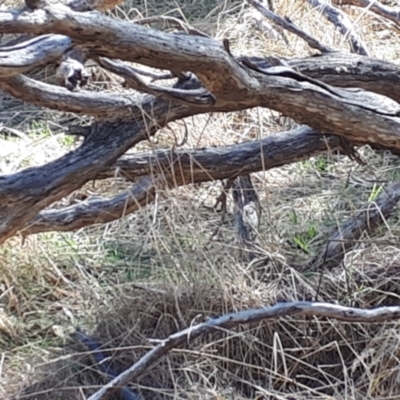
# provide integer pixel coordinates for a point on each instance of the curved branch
(352, 70)
(341, 21)
(390, 13)
(106, 105)
(166, 168)
(29, 54)
(344, 70)
(230, 321)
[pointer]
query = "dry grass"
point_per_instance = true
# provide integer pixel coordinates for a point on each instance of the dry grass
(185, 258)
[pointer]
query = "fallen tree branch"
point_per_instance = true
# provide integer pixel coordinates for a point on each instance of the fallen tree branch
(343, 23)
(374, 118)
(287, 24)
(128, 41)
(108, 106)
(172, 168)
(361, 117)
(230, 321)
(352, 70)
(339, 69)
(34, 189)
(345, 238)
(96, 210)
(217, 163)
(390, 13)
(29, 54)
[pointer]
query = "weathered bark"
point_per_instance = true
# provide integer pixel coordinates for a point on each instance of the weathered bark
(23, 57)
(343, 70)
(24, 194)
(168, 168)
(352, 70)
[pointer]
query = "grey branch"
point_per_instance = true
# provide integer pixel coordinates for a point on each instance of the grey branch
(344, 238)
(285, 23)
(106, 106)
(24, 56)
(343, 23)
(130, 42)
(390, 13)
(230, 321)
